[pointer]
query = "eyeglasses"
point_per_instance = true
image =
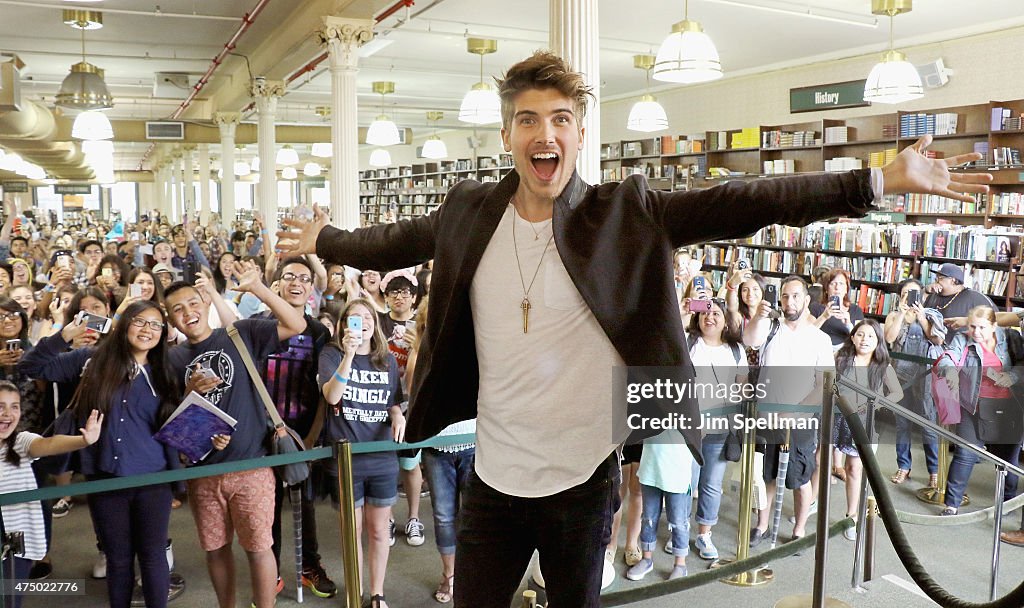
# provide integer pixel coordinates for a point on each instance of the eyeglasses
(305, 279)
(154, 325)
(405, 293)
(10, 316)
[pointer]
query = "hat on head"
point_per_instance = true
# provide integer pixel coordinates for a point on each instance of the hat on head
(951, 270)
(403, 273)
(162, 268)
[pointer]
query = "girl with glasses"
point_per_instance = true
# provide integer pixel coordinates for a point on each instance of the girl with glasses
(125, 378)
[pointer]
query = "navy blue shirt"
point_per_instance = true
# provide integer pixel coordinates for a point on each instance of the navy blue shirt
(236, 394)
(126, 445)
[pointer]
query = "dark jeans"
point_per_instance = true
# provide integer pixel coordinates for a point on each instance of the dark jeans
(21, 569)
(964, 460)
(310, 546)
(133, 523)
(447, 473)
(571, 529)
(904, 428)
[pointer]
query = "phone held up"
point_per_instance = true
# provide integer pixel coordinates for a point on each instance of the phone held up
(771, 295)
(913, 296)
(13, 344)
(95, 322)
(355, 324)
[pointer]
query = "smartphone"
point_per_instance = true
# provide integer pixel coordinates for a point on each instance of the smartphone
(913, 296)
(355, 323)
(699, 286)
(95, 322)
(13, 344)
(64, 261)
(743, 264)
(135, 290)
(135, 236)
(699, 306)
(833, 301)
(771, 295)
(107, 272)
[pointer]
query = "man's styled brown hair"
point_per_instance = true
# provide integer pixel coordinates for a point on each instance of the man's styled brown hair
(542, 70)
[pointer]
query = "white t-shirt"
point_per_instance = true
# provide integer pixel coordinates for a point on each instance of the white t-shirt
(791, 361)
(24, 517)
(544, 414)
(716, 365)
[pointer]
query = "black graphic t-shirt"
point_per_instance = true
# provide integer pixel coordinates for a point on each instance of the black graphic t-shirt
(290, 375)
(362, 413)
(236, 394)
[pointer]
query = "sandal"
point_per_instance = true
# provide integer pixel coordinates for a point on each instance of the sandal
(375, 601)
(933, 480)
(632, 556)
(445, 590)
(839, 473)
(900, 476)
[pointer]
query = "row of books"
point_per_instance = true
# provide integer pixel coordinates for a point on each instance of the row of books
(671, 144)
(990, 281)
(876, 269)
(875, 301)
(915, 125)
(843, 163)
(777, 138)
(1004, 155)
(934, 203)
(837, 135)
(1004, 120)
(779, 167)
(1008, 203)
(877, 160)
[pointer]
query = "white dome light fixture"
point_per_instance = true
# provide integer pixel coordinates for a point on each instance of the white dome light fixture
(687, 55)
(311, 169)
(242, 168)
(92, 125)
(255, 163)
(433, 147)
(383, 131)
(380, 158)
(321, 150)
(287, 156)
(893, 79)
(646, 115)
(289, 173)
(481, 104)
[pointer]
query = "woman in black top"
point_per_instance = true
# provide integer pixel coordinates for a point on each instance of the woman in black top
(836, 314)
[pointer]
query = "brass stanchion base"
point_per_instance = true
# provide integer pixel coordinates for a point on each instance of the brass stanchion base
(756, 576)
(932, 496)
(806, 601)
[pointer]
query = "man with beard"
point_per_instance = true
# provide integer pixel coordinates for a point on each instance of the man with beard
(793, 362)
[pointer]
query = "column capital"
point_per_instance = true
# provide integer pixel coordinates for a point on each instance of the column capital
(346, 31)
(227, 118)
(262, 87)
(189, 147)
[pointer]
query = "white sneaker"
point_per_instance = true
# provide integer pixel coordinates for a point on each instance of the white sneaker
(414, 532)
(99, 567)
(61, 508)
(608, 574)
(706, 548)
(810, 511)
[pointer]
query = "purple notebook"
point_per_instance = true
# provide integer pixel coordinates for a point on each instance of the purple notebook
(191, 426)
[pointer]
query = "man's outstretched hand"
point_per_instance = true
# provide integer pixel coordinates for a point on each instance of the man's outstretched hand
(912, 171)
(300, 236)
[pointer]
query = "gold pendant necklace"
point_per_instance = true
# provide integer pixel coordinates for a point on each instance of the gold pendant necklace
(536, 233)
(525, 305)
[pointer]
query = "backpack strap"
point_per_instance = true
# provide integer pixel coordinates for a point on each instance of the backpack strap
(736, 352)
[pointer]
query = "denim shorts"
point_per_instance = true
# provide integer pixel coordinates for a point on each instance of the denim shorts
(376, 490)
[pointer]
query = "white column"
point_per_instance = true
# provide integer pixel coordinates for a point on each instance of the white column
(172, 212)
(204, 185)
(188, 206)
(573, 35)
(227, 121)
(266, 92)
(342, 37)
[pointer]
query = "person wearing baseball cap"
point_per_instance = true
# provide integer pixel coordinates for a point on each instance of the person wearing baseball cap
(952, 298)
(165, 273)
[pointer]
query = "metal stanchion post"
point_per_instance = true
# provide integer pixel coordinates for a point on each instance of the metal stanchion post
(998, 512)
(818, 599)
(862, 509)
(760, 575)
(937, 495)
(347, 519)
(529, 599)
(869, 539)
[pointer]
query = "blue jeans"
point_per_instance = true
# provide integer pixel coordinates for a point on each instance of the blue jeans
(903, 438)
(447, 474)
(709, 486)
(497, 534)
(19, 570)
(964, 460)
(133, 523)
(677, 511)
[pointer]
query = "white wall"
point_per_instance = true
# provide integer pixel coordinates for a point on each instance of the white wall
(988, 67)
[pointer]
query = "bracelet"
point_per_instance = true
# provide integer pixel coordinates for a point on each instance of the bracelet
(57, 326)
(340, 378)
(729, 286)
(264, 232)
(330, 297)
(48, 288)
(117, 316)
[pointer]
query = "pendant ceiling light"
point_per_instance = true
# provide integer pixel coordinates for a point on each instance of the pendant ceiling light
(311, 169)
(84, 88)
(434, 148)
(242, 168)
(289, 173)
(382, 131)
(380, 158)
(481, 105)
(688, 55)
(92, 125)
(646, 115)
(254, 164)
(287, 156)
(893, 79)
(321, 150)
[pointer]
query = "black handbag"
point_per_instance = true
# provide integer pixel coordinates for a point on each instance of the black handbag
(282, 438)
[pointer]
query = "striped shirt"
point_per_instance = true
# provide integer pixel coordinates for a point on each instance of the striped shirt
(25, 517)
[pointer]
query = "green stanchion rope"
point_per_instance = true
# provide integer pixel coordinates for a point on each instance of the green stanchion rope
(691, 581)
(880, 486)
(195, 472)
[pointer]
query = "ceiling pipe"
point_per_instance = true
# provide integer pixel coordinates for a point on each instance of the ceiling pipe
(121, 11)
(247, 21)
(28, 132)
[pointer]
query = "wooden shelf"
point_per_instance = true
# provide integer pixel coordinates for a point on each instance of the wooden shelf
(866, 142)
